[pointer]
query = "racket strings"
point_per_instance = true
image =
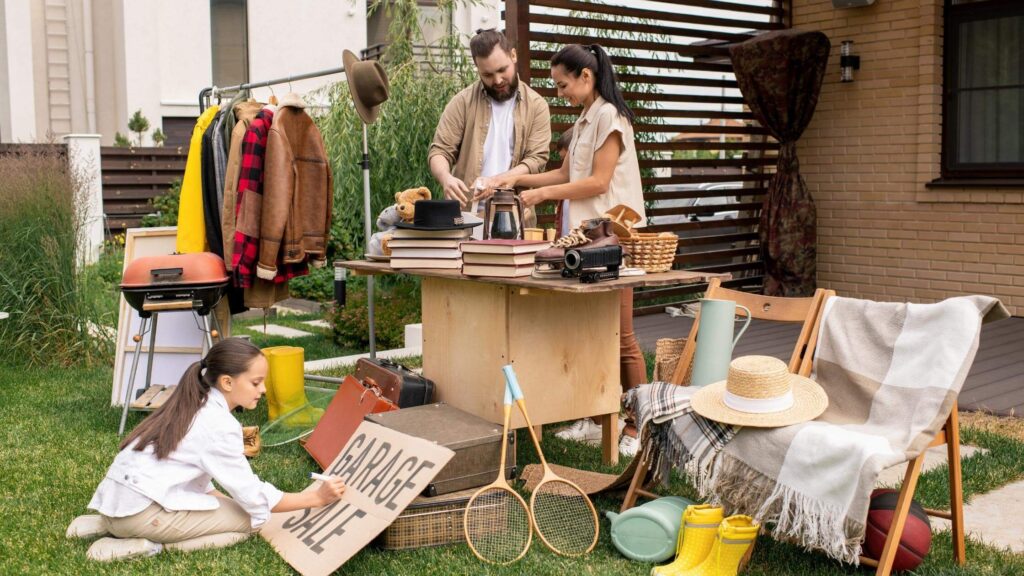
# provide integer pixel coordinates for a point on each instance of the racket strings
(564, 517)
(498, 525)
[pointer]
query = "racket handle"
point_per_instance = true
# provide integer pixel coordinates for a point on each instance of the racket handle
(512, 381)
(508, 395)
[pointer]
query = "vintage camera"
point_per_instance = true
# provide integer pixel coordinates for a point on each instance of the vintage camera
(592, 264)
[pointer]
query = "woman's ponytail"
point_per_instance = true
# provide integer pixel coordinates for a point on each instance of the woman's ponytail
(165, 428)
(575, 57)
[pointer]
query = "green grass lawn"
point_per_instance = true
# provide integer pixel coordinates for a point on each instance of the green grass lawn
(58, 435)
(317, 346)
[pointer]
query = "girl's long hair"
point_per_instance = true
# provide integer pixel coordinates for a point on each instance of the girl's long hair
(575, 57)
(165, 428)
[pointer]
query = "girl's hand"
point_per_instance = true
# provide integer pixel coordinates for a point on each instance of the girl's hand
(330, 490)
(532, 197)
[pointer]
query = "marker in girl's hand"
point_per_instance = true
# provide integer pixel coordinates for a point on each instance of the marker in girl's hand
(320, 477)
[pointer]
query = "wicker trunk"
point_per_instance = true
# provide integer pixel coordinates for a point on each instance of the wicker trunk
(476, 443)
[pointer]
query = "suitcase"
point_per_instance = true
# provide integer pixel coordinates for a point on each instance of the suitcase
(399, 384)
(474, 440)
(352, 401)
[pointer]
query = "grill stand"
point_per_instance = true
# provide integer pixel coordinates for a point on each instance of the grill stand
(153, 310)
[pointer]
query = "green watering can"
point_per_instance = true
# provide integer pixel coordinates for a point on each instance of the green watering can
(648, 533)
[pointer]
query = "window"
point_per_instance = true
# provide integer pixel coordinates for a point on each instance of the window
(229, 35)
(983, 107)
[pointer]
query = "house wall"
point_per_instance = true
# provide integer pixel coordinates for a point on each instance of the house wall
(870, 149)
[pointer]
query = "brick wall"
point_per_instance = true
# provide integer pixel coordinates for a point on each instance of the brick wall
(870, 149)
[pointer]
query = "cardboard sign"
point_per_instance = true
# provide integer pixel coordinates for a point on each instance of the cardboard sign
(383, 471)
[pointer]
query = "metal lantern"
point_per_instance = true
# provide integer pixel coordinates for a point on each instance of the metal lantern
(504, 215)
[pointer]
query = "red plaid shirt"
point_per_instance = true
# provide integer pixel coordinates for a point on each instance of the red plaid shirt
(248, 210)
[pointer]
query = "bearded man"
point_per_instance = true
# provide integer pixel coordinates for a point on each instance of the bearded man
(496, 127)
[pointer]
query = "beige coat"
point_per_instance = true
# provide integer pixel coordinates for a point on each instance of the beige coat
(462, 131)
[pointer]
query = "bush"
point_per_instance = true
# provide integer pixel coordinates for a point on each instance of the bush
(398, 144)
(49, 320)
(318, 285)
(165, 206)
(397, 304)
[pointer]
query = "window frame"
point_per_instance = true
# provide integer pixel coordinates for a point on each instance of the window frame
(956, 14)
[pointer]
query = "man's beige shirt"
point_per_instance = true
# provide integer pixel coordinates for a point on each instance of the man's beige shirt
(589, 134)
(462, 131)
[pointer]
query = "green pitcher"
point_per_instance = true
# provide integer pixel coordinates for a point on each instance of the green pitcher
(648, 533)
(715, 340)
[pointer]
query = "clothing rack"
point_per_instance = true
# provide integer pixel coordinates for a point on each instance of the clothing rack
(210, 92)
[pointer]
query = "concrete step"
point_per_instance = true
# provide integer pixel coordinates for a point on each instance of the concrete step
(992, 518)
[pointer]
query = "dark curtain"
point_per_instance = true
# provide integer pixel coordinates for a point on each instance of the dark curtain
(780, 76)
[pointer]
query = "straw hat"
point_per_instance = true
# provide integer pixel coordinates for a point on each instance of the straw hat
(760, 392)
(368, 84)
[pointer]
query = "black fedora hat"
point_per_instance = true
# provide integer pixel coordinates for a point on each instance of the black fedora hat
(437, 215)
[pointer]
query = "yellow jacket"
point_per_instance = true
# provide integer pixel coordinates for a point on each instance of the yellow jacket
(191, 226)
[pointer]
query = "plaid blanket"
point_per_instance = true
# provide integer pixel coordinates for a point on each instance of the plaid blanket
(892, 373)
(678, 436)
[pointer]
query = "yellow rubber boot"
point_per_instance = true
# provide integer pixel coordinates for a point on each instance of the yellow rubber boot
(286, 392)
(736, 535)
(700, 526)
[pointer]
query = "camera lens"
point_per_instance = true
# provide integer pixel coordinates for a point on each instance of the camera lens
(573, 259)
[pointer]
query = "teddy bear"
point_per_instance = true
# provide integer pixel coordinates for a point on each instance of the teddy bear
(386, 227)
(406, 201)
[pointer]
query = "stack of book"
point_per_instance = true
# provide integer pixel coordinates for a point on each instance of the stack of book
(500, 258)
(427, 248)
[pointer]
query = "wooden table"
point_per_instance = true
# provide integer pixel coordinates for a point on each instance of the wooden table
(562, 337)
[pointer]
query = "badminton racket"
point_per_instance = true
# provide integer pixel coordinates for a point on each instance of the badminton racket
(497, 522)
(563, 515)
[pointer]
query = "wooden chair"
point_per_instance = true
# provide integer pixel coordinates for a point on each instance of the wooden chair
(770, 308)
(809, 310)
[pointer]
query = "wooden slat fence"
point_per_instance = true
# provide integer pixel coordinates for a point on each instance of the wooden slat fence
(697, 141)
(134, 176)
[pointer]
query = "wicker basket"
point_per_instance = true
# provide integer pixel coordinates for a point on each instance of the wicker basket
(666, 356)
(652, 252)
(428, 521)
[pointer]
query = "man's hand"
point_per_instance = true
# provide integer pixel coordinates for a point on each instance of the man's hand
(455, 189)
(484, 187)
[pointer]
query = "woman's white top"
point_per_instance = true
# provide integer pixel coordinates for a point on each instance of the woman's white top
(212, 449)
(591, 130)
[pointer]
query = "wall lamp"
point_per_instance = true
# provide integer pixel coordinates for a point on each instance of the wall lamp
(848, 62)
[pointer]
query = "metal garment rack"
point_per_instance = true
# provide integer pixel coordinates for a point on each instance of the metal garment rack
(210, 92)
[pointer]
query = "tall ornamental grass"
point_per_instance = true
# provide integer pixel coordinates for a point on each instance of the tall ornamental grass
(399, 141)
(39, 225)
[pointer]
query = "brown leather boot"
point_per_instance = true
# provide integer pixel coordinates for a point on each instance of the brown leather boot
(598, 232)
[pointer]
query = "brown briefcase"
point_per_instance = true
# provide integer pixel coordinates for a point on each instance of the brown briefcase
(474, 440)
(399, 384)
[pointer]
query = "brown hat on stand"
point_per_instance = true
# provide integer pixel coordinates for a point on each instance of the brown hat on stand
(368, 84)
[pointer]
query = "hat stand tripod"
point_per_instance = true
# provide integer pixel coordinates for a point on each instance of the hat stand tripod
(366, 231)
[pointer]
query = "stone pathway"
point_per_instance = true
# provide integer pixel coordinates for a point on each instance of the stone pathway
(992, 518)
(933, 458)
(318, 323)
(275, 330)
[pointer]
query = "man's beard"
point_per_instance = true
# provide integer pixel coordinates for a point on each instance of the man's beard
(512, 87)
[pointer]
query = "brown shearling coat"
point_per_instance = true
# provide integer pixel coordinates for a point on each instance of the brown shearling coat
(297, 193)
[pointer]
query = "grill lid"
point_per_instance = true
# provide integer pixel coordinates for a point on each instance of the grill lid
(196, 269)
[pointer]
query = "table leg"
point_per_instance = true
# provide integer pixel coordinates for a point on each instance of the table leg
(610, 438)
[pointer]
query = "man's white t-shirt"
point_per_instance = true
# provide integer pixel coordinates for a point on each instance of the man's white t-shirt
(500, 138)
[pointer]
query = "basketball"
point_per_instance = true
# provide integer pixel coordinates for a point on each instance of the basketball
(917, 531)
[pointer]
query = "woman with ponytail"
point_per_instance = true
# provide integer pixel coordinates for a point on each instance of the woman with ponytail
(600, 172)
(159, 491)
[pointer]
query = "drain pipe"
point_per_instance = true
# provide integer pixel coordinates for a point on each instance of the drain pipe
(90, 74)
